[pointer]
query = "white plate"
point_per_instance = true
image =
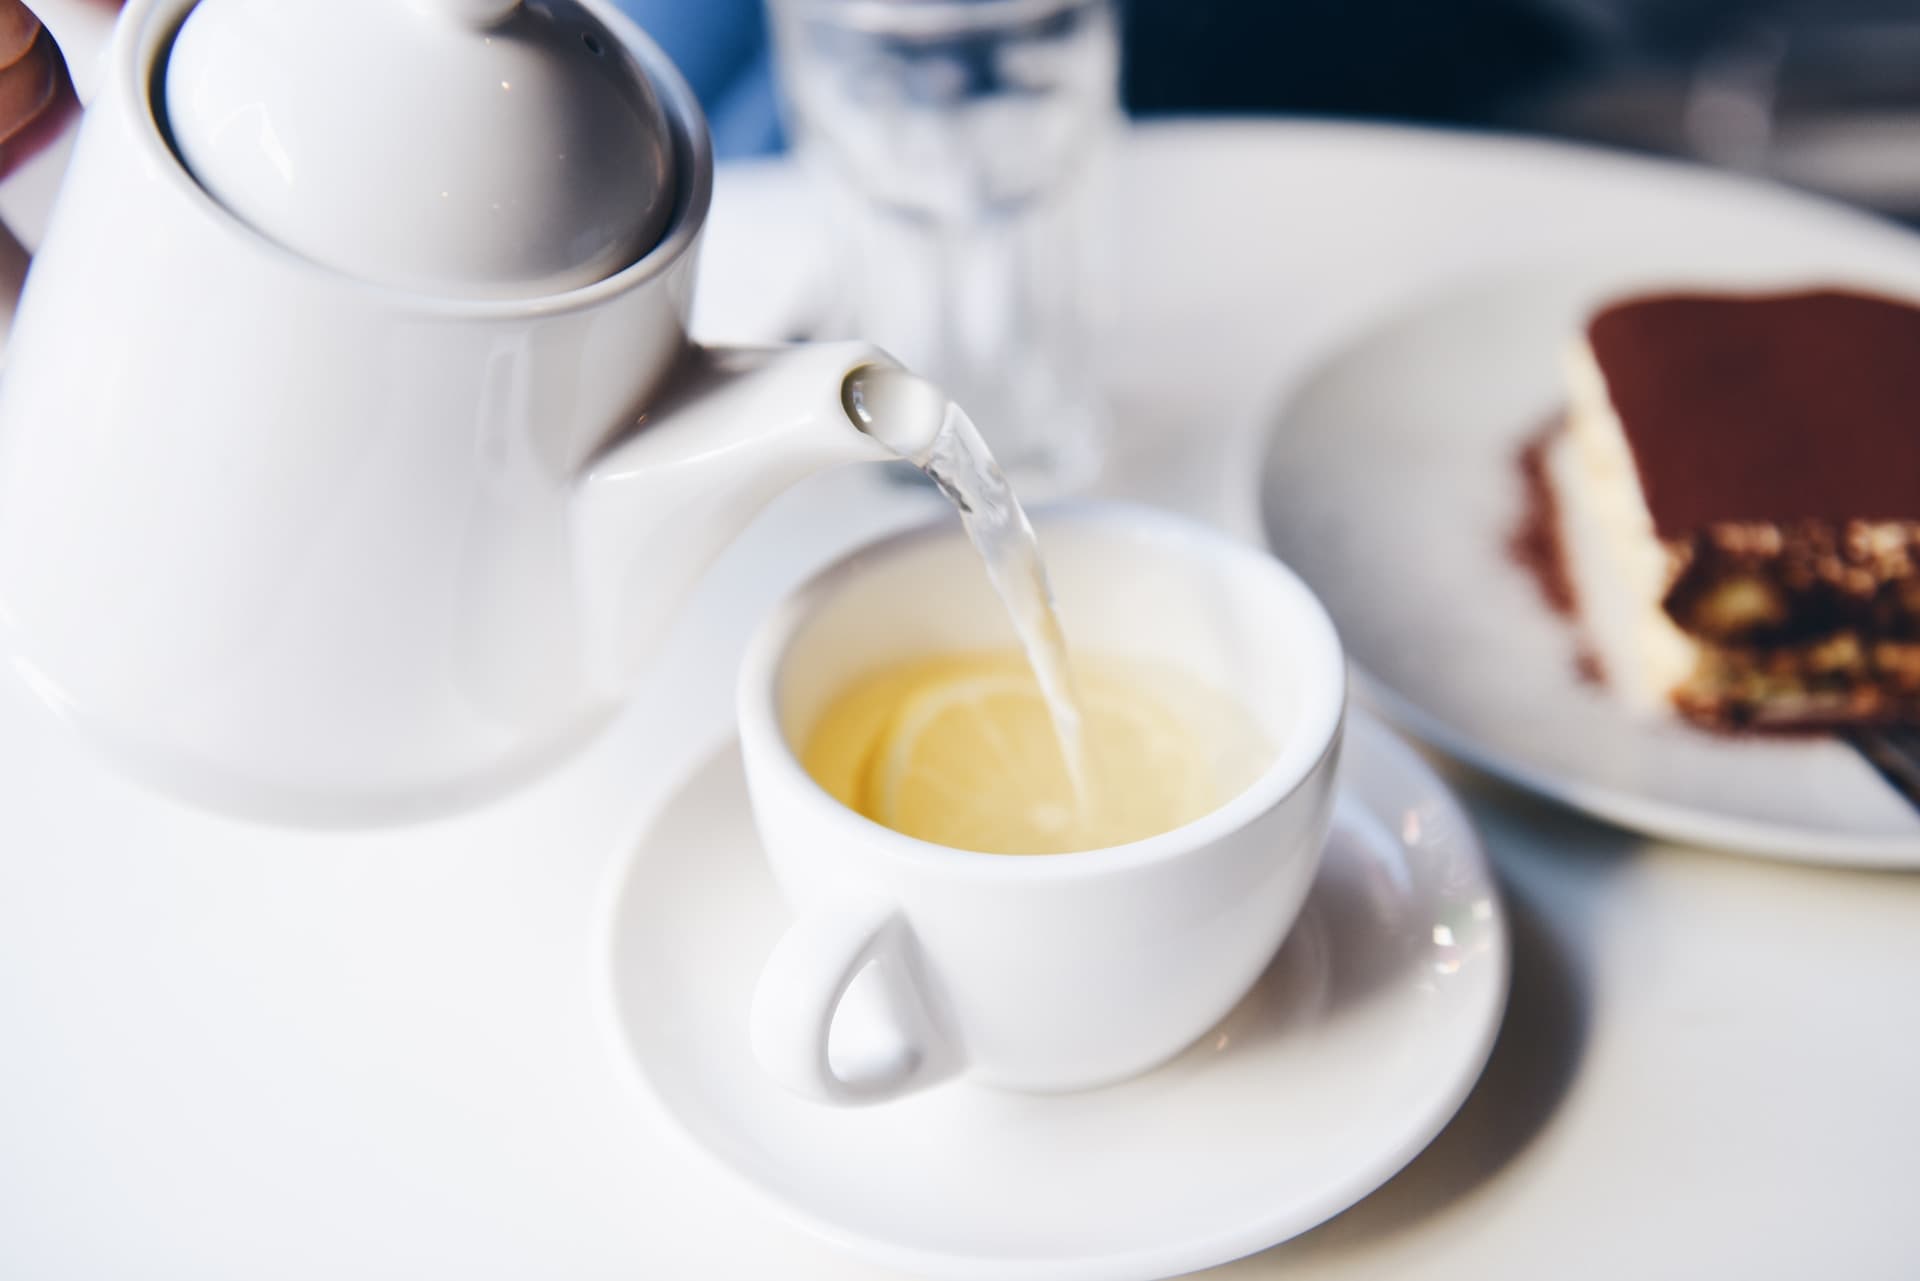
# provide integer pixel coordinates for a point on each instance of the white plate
(1391, 486)
(1355, 1048)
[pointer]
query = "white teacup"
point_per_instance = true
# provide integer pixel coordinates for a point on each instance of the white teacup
(1050, 972)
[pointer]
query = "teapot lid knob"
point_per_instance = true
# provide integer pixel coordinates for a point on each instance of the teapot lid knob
(462, 148)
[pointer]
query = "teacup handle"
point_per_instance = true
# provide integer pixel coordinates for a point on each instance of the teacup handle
(801, 993)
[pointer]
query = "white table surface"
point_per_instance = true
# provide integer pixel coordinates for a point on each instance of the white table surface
(226, 1053)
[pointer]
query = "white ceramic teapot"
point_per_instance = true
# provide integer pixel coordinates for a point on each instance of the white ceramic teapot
(352, 448)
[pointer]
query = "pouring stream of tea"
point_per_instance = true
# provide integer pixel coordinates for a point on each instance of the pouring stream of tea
(916, 420)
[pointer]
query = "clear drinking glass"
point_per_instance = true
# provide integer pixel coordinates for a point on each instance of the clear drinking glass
(959, 146)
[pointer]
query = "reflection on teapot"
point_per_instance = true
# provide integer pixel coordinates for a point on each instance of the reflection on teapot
(346, 478)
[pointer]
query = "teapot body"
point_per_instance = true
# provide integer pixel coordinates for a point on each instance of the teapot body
(293, 544)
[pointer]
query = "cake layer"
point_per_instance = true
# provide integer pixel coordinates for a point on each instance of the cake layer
(1839, 680)
(1796, 581)
(1766, 408)
(1621, 570)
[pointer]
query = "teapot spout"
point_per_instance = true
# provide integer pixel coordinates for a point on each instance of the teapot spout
(736, 426)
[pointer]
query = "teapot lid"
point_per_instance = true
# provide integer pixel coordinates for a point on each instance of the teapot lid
(469, 148)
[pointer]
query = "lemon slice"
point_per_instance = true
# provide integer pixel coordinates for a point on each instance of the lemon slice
(970, 760)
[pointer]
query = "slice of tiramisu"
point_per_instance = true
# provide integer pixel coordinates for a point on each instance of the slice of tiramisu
(1740, 489)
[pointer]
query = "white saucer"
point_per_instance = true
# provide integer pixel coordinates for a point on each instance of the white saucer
(1353, 1051)
(1392, 488)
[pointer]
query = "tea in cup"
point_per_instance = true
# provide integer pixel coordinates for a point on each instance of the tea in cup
(963, 750)
(1033, 923)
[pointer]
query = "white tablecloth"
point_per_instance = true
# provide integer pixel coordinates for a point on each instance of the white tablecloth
(226, 1053)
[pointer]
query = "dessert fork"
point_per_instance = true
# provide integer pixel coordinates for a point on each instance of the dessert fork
(1895, 752)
